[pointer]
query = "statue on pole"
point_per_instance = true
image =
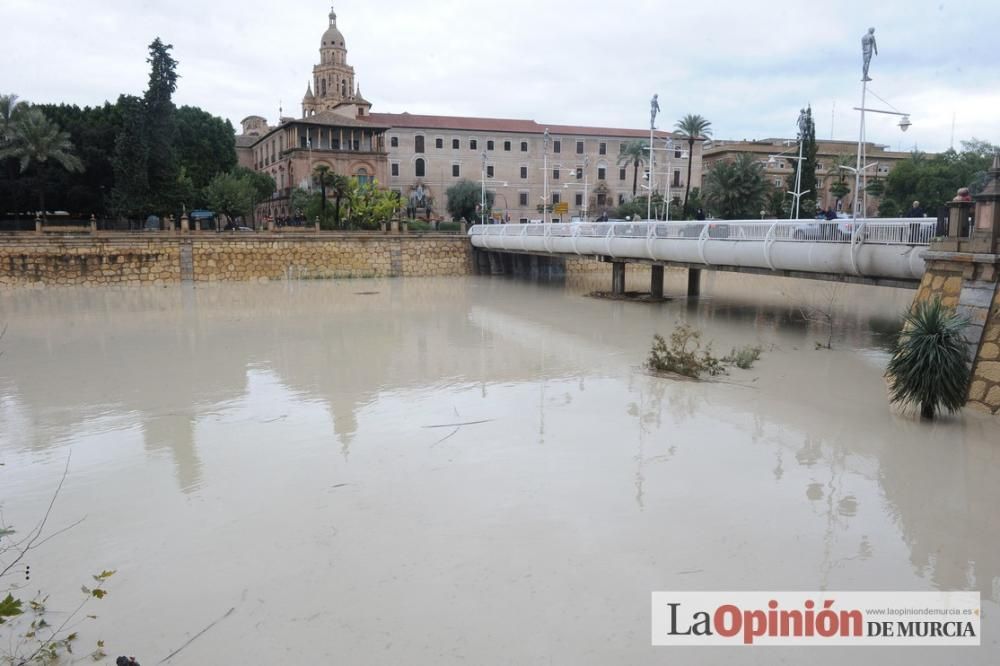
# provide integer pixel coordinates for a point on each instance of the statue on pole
(868, 47)
(654, 108)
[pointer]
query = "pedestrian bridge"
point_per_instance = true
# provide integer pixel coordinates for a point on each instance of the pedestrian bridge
(882, 251)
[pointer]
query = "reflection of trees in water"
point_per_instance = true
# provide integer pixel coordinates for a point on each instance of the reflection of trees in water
(648, 412)
(945, 493)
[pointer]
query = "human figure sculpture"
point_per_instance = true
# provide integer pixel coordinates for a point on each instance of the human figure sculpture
(868, 47)
(654, 108)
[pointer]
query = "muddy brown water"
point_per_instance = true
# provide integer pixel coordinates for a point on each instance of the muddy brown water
(474, 471)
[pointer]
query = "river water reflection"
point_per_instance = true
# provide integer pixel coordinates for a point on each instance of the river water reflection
(295, 451)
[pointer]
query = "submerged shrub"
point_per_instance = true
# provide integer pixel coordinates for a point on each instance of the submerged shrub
(744, 357)
(928, 365)
(684, 355)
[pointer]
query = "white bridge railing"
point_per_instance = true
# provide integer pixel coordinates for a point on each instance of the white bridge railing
(883, 248)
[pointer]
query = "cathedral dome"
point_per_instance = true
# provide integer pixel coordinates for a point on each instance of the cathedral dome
(333, 38)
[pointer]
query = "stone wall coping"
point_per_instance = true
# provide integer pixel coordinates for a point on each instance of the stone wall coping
(962, 257)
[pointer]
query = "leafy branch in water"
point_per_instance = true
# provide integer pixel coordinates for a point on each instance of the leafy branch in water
(684, 355)
(31, 638)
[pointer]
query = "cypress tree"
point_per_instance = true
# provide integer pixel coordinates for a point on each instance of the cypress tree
(161, 126)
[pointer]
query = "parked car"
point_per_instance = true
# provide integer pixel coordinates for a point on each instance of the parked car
(715, 230)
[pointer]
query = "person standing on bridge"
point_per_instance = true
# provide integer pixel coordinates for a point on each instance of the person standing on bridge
(915, 210)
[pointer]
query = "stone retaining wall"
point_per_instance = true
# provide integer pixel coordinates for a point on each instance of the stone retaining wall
(134, 260)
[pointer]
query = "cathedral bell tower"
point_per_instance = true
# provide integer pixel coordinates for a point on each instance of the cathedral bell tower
(333, 87)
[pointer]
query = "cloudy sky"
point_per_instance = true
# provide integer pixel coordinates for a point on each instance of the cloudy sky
(746, 66)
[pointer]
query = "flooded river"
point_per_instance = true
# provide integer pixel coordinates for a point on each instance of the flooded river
(474, 471)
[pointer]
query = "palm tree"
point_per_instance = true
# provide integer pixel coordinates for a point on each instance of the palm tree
(340, 187)
(928, 365)
(35, 138)
(10, 106)
(634, 153)
(322, 176)
(693, 128)
(736, 190)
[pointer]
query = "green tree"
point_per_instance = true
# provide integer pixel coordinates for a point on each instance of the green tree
(634, 154)
(10, 106)
(928, 364)
(463, 198)
(35, 140)
(340, 189)
(322, 175)
(735, 190)
(205, 144)
(807, 136)
(161, 126)
(371, 205)
(131, 197)
(692, 128)
(236, 193)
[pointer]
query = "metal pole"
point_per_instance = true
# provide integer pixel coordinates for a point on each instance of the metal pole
(649, 194)
(861, 140)
(482, 196)
(670, 155)
(545, 174)
(794, 214)
(586, 181)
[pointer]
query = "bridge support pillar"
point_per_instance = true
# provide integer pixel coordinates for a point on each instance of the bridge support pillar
(694, 282)
(656, 282)
(618, 278)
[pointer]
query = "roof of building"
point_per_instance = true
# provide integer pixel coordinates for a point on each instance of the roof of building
(246, 140)
(338, 120)
(508, 125)
(333, 37)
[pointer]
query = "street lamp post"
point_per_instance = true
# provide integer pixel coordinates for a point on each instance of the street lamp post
(482, 197)
(654, 108)
(545, 174)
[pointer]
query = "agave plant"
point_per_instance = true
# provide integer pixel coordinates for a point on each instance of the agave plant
(928, 365)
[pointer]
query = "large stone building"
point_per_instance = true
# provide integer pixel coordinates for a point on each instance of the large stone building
(777, 157)
(421, 156)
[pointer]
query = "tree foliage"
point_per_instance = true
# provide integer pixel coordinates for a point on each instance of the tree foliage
(693, 128)
(934, 180)
(34, 140)
(130, 195)
(463, 198)
(735, 190)
(634, 154)
(206, 144)
(236, 193)
(371, 205)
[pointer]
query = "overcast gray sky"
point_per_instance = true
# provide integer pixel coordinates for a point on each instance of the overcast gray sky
(746, 66)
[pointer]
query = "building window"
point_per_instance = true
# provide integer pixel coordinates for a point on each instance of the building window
(418, 143)
(419, 168)
(602, 148)
(439, 143)
(362, 176)
(489, 145)
(522, 199)
(677, 178)
(489, 171)
(555, 174)
(601, 173)
(555, 198)
(579, 199)
(524, 146)
(395, 168)
(678, 153)
(621, 148)
(557, 146)
(523, 220)
(579, 173)
(579, 147)
(473, 144)
(524, 172)
(455, 144)
(506, 146)
(394, 142)
(621, 173)
(777, 182)
(456, 171)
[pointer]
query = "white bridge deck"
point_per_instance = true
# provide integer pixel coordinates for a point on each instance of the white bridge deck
(876, 249)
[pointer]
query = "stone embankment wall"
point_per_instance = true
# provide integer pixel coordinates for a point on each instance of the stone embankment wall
(971, 288)
(135, 260)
